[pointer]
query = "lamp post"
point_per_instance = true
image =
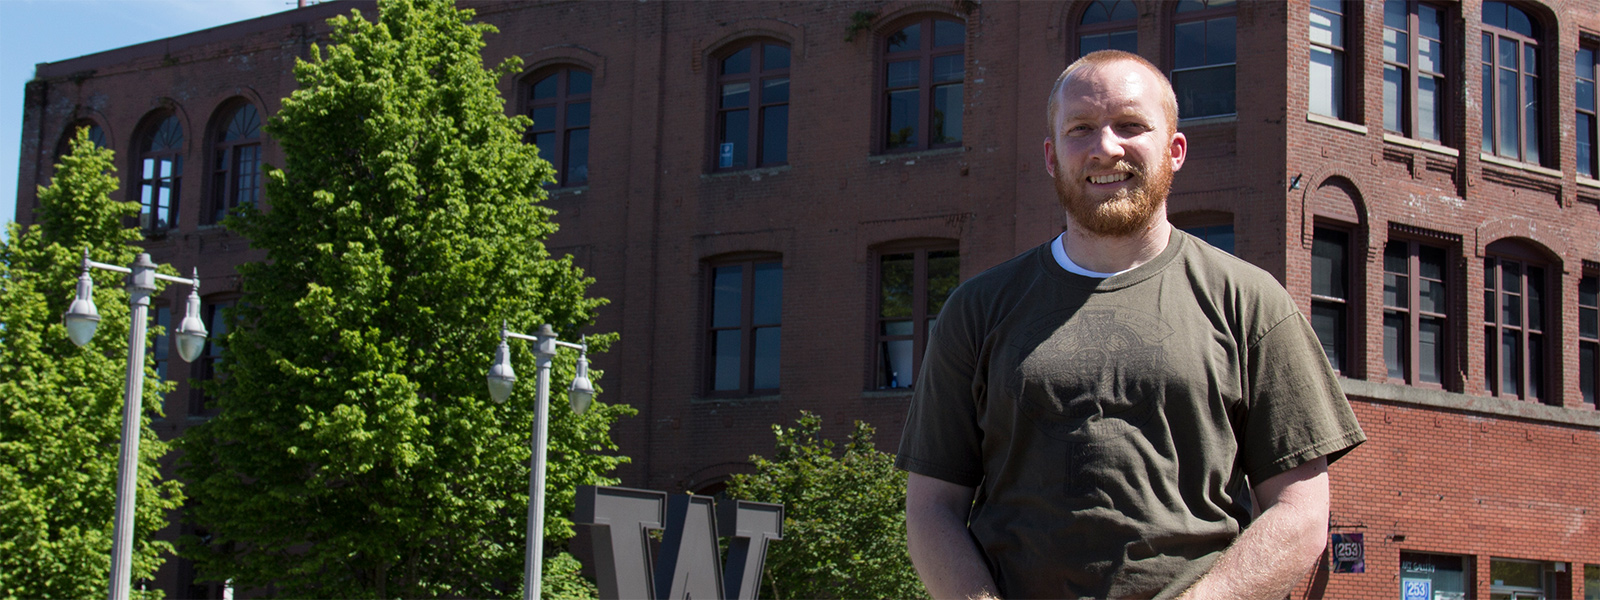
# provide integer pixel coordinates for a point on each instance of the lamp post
(81, 320)
(501, 380)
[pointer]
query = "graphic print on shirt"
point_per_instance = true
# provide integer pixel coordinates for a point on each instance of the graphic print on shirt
(1096, 377)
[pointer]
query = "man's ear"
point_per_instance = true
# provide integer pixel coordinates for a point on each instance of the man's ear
(1050, 157)
(1179, 149)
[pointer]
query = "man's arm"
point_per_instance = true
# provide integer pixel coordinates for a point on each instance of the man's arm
(1280, 546)
(946, 557)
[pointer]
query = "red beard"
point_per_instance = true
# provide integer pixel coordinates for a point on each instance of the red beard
(1128, 211)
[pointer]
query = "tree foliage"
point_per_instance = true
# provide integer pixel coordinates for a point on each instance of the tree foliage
(356, 452)
(60, 405)
(844, 521)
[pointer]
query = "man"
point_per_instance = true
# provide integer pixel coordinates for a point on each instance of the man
(1092, 415)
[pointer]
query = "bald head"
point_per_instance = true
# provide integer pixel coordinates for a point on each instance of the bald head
(1101, 58)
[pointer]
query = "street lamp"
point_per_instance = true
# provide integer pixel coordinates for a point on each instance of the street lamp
(81, 320)
(501, 380)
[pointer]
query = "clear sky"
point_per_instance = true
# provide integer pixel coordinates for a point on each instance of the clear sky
(36, 31)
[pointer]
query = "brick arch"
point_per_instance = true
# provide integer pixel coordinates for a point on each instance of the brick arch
(223, 110)
(872, 235)
(733, 245)
(70, 129)
(743, 29)
(1313, 182)
(153, 118)
(895, 13)
(715, 476)
(563, 54)
(1537, 236)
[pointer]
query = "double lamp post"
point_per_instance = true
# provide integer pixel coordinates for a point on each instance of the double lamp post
(82, 319)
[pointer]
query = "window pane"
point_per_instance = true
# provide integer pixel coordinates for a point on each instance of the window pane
(1445, 573)
(1395, 48)
(1530, 118)
(1327, 263)
(768, 294)
(902, 122)
(726, 295)
(1510, 364)
(1430, 55)
(1325, 81)
(1585, 66)
(1535, 298)
(1509, 132)
(897, 363)
(737, 63)
(161, 317)
(775, 135)
(1430, 21)
(578, 114)
(1327, 320)
(774, 57)
(735, 95)
(725, 360)
(1490, 358)
(545, 88)
(901, 74)
(944, 273)
(1220, 40)
(1393, 83)
(947, 110)
(1430, 109)
(1394, 344)
(1587, 365)
(577, 156)
(547, 145)
(1326, 28)
(948, 33)
(1395, 14)
(1518, 21)
(578, 82)
(1535, 366)
(1093, 43)
(1430, 261)
(544, 117)
(1189, 44)
(1494, 14)
(1586, 143)
(1204, 92)
(1431, 296)
(1126, 41)
(774, 90)
(766, 359)
(947, 68)
(1430, 350)
(732, 151)
(1488, 107)
(906, 39)
(895, 272)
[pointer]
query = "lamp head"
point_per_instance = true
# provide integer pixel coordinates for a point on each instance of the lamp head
(81, 317)
(191, 333)
(501, 376)
(582, 391)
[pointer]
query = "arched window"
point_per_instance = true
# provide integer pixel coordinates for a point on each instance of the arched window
(1516, 322)
(160, 175)
(752, 122)
(96, 135)
(1417, 335)
(914, 280)
(558, 103)
(1108, 25)
(923, 71)
(236, 163)
(1511, 93)
(1203, 42)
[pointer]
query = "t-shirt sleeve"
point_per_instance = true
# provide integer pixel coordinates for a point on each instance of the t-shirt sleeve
(942, 437)
(1297, 411)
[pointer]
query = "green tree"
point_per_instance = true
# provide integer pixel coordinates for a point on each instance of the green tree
(60, 405)
(356, 452)
(844, 518)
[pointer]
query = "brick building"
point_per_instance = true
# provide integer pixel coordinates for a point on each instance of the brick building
(1421, 176)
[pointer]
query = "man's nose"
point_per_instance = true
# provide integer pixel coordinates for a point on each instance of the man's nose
(1107, 144)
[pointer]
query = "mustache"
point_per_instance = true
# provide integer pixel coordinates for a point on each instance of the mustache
(1123, 166)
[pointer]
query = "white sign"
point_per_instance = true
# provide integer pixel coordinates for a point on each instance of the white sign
(725, 155)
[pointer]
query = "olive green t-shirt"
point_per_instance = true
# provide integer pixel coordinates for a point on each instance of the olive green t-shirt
(1110, 425)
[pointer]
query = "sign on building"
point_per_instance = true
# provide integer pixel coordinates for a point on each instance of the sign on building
(1349, 553)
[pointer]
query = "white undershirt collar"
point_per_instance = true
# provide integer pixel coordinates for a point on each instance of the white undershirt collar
(1058, 249)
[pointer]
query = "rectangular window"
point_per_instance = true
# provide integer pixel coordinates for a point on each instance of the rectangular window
(1327, 92)
(924, 67)
(912, 288)
(753, 107)
(1432, 576)
(1414, 58)
(1584, 136)
(1108, 25)
(1415, 313)
(1330, 293)
(1588, 336)
(209, 365)
(743, 341)
(1591, 582)
(1203, 67)
(1513, 579)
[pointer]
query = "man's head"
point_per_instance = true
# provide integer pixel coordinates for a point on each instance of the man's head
(1113, 143)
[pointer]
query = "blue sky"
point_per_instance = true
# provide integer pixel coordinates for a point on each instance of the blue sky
(36, 31)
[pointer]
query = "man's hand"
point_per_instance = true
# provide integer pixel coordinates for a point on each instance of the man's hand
(1280, 546)
(944, 553)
